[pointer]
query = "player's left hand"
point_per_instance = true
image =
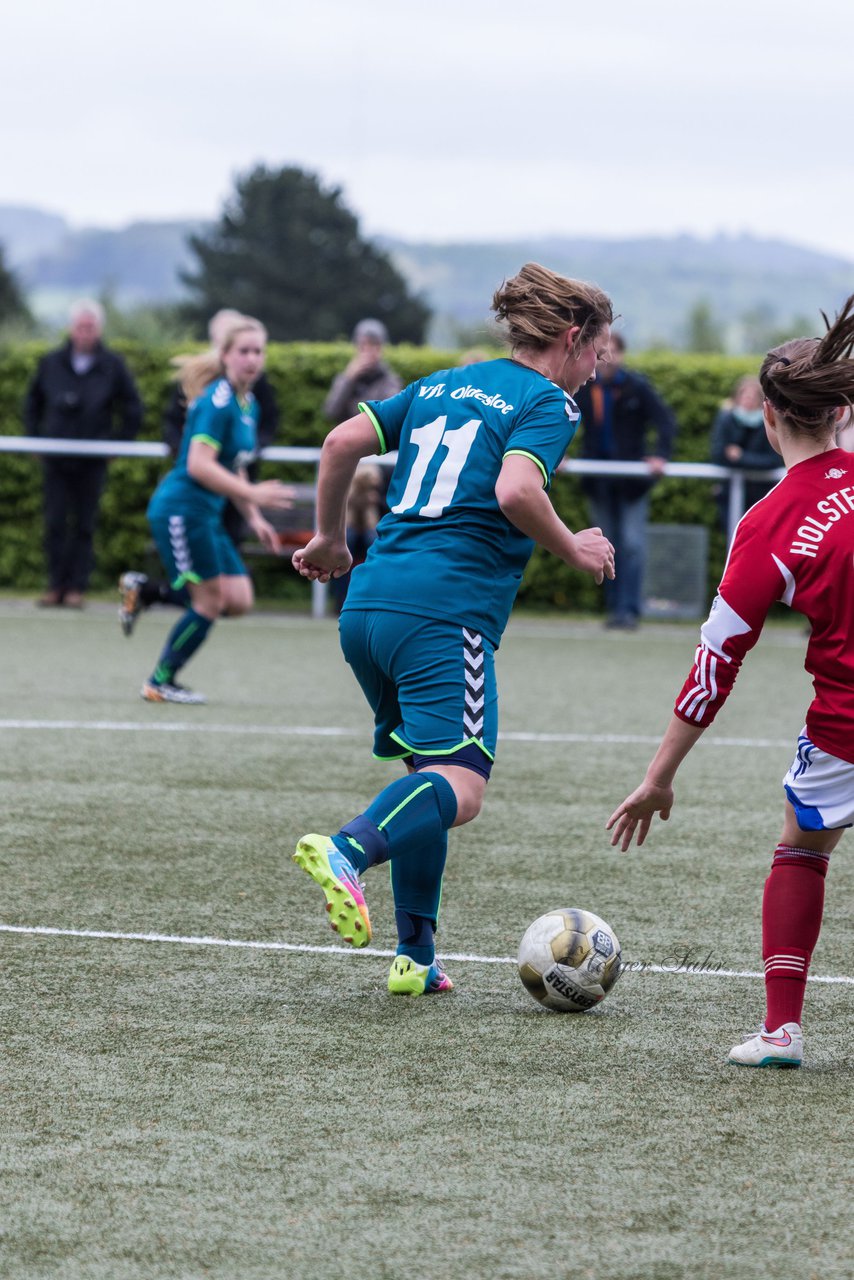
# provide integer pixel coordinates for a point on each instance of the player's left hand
(632, 819)
(594, 554)
(266, 535)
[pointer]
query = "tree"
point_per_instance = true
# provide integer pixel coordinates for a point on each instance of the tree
(289, 252)
(13, 307)
(703, 332)
(152, 324)
(764, 329)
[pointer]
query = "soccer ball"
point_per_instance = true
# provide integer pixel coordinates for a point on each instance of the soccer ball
(569, 960)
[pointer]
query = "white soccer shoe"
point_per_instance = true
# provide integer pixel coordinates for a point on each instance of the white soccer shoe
(130, 595)
(170, 692)
(781, 1048)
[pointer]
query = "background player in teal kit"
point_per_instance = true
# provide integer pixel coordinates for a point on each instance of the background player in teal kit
(477, 447)
(185, 511)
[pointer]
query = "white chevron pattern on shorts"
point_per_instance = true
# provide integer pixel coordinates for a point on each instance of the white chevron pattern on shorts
(474, 696)
(179, 545)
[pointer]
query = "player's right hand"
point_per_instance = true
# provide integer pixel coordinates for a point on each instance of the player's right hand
(360, 364)
(321, 559)
(631, 820)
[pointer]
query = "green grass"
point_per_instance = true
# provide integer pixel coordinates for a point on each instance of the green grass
(185, 1110)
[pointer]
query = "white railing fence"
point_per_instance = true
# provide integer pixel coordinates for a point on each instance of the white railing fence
(735, 480)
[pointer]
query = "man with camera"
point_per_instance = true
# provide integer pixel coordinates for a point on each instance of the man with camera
(81, 391)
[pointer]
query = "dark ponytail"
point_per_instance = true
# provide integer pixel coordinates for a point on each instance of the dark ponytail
(808, 379)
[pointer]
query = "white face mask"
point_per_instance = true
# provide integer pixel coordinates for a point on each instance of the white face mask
(748, 417)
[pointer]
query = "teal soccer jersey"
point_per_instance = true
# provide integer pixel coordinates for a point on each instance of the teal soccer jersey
(445, 549)
(217, 418)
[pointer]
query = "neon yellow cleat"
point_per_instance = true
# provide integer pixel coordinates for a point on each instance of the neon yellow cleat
(339, 880)
(410, 979)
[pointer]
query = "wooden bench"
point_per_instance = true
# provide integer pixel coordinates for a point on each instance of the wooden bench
(295, 526)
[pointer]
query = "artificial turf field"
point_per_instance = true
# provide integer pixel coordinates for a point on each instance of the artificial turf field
(172, 1107)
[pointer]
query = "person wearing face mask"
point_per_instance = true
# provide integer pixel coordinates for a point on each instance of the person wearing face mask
(739, 440)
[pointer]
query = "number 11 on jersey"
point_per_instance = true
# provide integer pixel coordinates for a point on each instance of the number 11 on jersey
(427, 439)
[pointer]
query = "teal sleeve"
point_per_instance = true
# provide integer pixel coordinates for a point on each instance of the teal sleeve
(366, 408)
(208, 419)
(545, 431)
(388, 416)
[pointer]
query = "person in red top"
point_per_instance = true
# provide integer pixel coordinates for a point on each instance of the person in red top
(796, 545)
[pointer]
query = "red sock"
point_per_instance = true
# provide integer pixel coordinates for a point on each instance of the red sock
(791, 919)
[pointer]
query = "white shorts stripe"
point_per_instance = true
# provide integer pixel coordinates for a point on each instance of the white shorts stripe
(820, 787)
(179, 545)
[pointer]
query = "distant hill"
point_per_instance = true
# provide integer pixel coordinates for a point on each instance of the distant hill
(136, 264)
(654, 282)
(748, 284)
(26, 233)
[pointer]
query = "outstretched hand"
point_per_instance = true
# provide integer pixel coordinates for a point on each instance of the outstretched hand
(322, 559)
(273, 494)
(632, 819)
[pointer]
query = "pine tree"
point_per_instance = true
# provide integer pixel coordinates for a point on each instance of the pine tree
(289, 252)
(703, 331)
(13, 306)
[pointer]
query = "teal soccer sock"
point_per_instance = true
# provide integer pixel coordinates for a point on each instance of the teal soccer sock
(416, 881)
(188, 634)
(411, 813)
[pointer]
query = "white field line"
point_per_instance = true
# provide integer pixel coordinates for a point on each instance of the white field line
(337, 731)
(637, 966)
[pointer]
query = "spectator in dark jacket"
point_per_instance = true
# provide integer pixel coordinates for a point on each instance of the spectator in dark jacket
(620, 413)
(367, 376)
(82, 391)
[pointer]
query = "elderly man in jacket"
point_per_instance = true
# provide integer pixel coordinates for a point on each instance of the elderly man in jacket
(81, 391)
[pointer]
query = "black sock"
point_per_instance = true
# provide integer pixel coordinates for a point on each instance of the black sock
(162, 593)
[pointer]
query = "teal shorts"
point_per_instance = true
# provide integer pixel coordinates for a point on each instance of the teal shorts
(430, 684)
(195, 549)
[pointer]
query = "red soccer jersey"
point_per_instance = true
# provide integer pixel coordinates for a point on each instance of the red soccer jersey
(795, 545)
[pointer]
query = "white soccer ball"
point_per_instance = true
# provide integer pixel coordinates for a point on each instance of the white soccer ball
(569, 960)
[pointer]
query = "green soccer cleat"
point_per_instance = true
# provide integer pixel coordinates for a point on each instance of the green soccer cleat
(407, 978)
(339, 880)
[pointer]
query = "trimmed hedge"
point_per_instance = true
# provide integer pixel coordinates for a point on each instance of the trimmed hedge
(693, 386)
(301, 373)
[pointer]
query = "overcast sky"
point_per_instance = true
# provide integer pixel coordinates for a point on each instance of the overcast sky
(449, 120)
